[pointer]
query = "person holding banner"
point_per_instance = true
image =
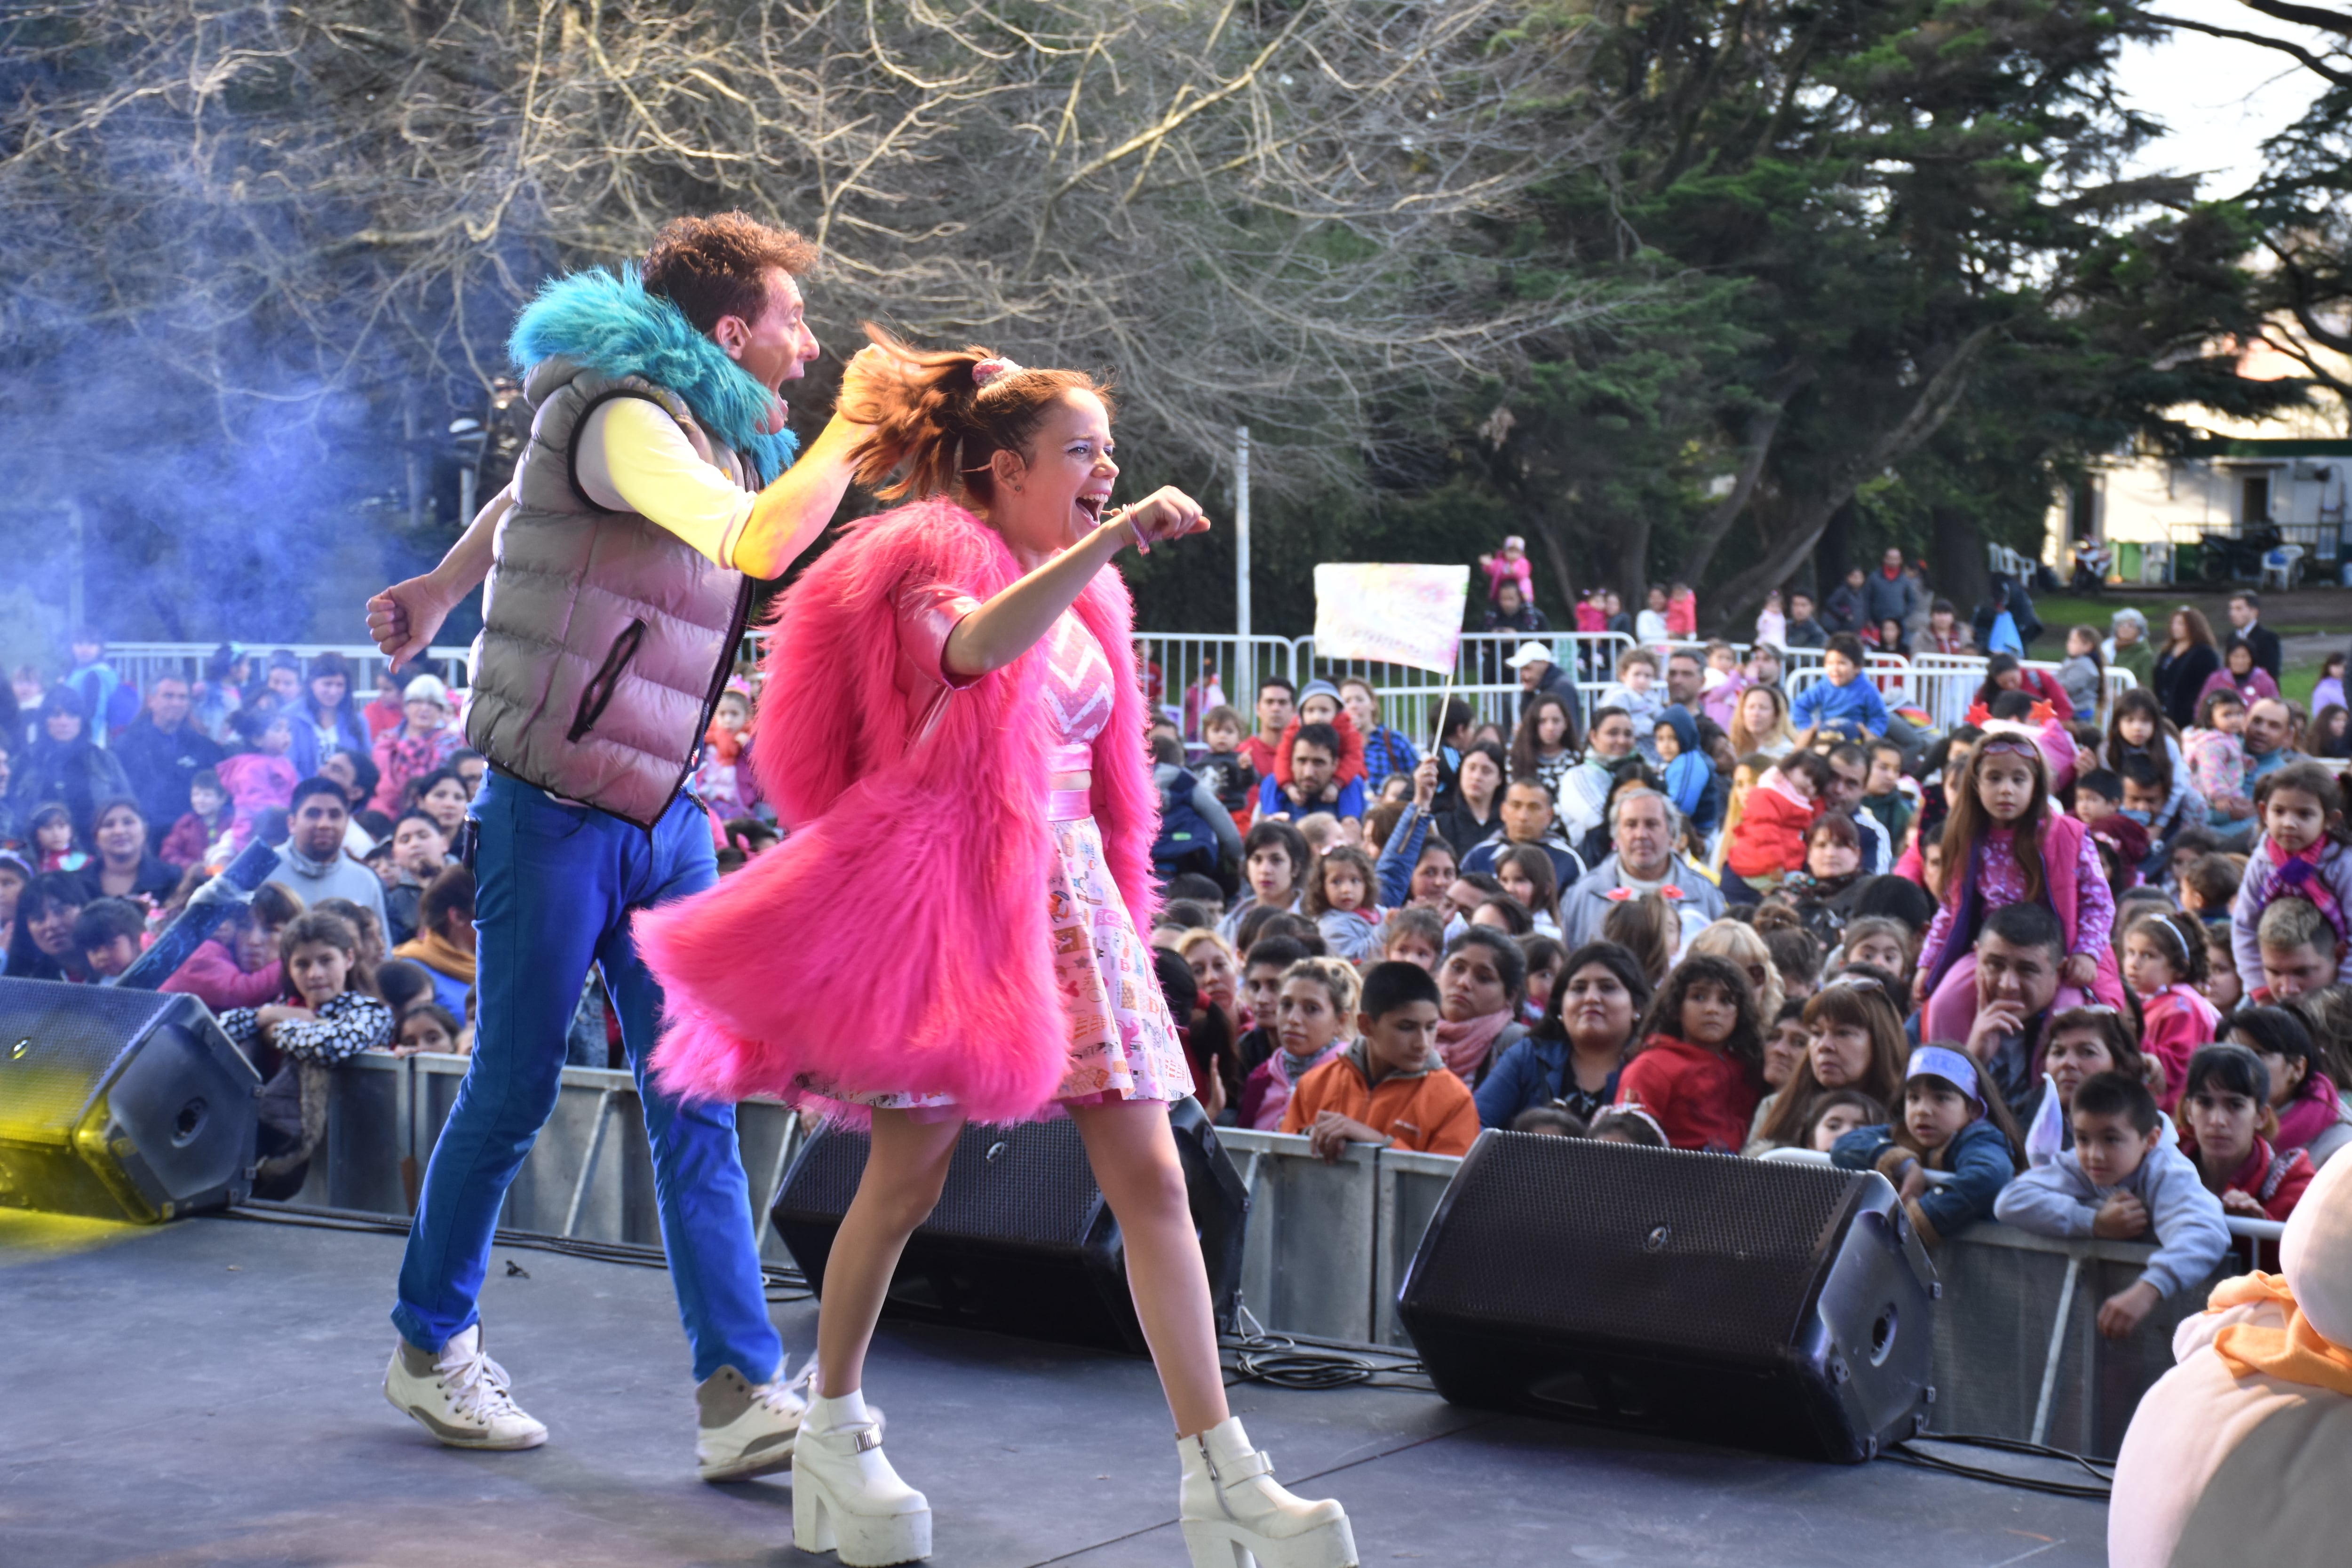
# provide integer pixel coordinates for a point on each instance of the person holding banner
(962, 663)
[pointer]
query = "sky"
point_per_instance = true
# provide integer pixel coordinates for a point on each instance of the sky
(2217, 97)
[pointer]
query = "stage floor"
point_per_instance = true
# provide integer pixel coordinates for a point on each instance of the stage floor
(208, 1392)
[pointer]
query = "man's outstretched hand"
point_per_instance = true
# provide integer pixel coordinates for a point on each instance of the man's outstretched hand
(404, 619)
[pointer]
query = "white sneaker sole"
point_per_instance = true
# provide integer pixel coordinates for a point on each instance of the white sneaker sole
(864, 1540)
(458, 1436)
(1220, 1544)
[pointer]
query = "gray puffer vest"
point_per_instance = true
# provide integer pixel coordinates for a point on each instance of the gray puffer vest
(605, 638)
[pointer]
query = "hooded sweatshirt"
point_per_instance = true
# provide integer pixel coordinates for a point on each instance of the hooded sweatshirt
(2191, 1235)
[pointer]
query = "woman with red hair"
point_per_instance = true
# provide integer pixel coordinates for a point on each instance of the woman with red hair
(949, 697)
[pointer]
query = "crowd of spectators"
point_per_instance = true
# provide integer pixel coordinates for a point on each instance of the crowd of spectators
(2066, 962)
(2062, 962)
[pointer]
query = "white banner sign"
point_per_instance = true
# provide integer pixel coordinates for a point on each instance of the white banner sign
(1392, 614)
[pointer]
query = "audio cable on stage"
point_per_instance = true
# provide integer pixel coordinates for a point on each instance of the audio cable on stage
(1303, 1362)
(1905, 1454)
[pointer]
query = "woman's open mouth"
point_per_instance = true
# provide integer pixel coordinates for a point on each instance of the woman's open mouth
(1090, 505)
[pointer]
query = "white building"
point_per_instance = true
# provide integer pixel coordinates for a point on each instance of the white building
(2293, 475)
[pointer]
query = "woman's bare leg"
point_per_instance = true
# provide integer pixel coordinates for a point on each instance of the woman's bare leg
(899, 1189)
(1134, 1158)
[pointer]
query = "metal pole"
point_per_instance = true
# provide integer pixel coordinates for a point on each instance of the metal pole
(1244, 689)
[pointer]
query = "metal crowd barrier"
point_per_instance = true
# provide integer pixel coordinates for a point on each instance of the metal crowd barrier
(1172, 663)
(2017, 1354)
(142, 663)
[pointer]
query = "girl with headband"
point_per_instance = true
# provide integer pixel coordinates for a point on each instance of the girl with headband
(1953, 1121)
(950, 693)
(2006, 843)
(2164, 961)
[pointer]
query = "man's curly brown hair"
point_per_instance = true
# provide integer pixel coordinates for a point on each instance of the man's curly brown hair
(718, 266)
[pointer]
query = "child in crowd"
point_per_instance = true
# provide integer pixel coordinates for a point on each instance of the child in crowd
(723, 780)
(2006, 843)
(2300, 951)
(1841, 703)
(1689, 772)
(1635, 692)
(1881, 942)
(1339, 891)
(2217, 766)
(2164, 961)
(2299, 854)
(1771, 623)
(1544, 957)
(2221, 987)
(2122, 1180)
(2082, 675)
(261, 777)
(1319, 703)
(1646, 927)
(2098, 794)
(1797, 955)
(1550, 1121)
(2208, 886)
(2311, 1112)
(1681, 612)
(1770, 840)
(204, 826)
(1628, 1124)
(1225, 770)
(1509, 564)
(2227, 1125)
(2139, 733)
(110, 934)
(1883, 796)
(56, 846)
(1413, 936)
(1724, 682)
(444, 942)
(333, 1012)
(427, 1028)
(1838, 1112)
(1389, 1087)
(237, 965)
(1314, 1001)
(1954, 1122)
(1698, 1068)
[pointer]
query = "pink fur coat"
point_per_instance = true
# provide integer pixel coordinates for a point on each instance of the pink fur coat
(898, 941)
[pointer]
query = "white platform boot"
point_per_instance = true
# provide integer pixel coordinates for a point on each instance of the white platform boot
(846, 1497)
(1236, 1513)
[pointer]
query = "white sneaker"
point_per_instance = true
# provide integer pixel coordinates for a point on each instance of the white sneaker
(846, 1496)
(460, 1397)
(1233, 1509)
(747, 1428)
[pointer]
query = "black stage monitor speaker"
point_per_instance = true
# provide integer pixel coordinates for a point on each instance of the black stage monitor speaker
(1021, 1242)
(120, 1103)
(1745, 1302)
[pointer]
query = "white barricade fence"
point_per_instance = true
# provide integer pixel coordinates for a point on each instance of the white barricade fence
(1170, 663)
(140, 664)
(2017, 1351)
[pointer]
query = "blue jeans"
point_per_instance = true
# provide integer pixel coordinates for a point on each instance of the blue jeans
(556, 886)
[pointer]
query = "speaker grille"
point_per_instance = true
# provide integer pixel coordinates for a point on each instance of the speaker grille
(56, 1042)
(1698, 1253)
(1027, 1185)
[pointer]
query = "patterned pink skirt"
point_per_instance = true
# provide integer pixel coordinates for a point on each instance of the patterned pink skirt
(1122, 1041)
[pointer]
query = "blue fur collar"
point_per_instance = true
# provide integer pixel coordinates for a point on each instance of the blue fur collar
(611, 325)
